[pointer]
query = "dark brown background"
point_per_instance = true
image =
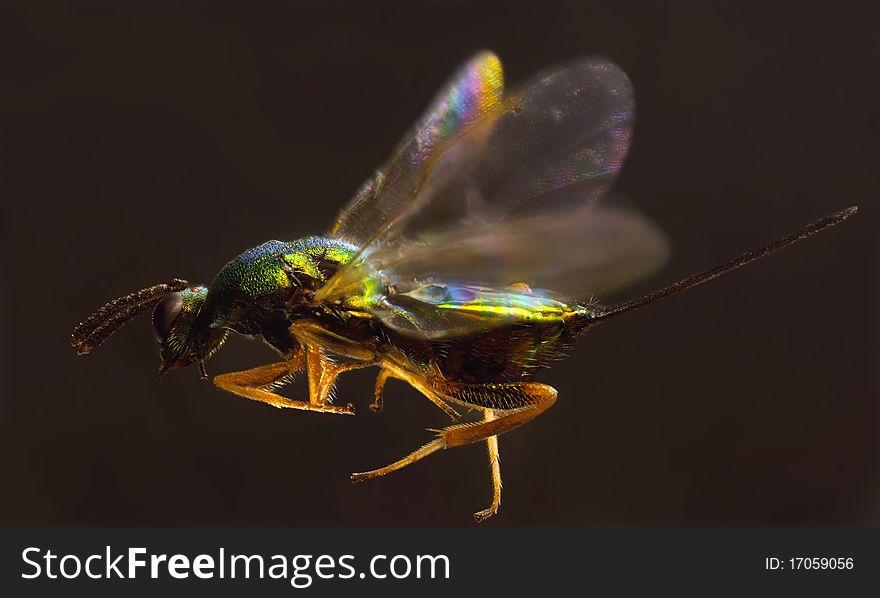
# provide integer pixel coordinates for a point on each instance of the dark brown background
(141, 143)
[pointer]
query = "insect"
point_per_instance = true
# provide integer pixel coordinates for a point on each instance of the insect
(452, 269)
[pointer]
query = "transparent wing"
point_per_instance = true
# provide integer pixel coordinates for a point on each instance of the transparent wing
(590, 251)
(470, 97)
(447, 309)
(480, 276)
(475, 155)
(557, 144)
(501, 196)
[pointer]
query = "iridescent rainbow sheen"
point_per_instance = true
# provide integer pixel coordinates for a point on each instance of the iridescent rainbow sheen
(510, 303)
(475, 90)
(385, 199)
(603, 149)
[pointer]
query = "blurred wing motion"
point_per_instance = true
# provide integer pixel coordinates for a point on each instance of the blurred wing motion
(476, 276)
(491, 197)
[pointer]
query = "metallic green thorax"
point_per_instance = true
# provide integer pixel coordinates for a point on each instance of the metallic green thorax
(265, 277)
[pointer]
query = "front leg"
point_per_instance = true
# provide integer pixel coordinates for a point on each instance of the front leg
(322, 374)
(255, 383)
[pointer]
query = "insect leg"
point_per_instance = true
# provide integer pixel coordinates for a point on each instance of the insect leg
(252, 384)
(524, 401)
(322, 373)
(391, 369)
(517, 402)
(378, 402)
(495, 466)
(313, 335)
(321, 370)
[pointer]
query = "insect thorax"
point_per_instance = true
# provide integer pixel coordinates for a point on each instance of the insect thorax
(265, 281)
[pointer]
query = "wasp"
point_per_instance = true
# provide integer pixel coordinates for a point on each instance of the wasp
(452, 268)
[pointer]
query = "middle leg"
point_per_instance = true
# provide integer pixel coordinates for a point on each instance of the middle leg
(391, 369)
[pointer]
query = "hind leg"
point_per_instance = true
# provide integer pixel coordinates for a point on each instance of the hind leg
(495, 468)
(510, 404)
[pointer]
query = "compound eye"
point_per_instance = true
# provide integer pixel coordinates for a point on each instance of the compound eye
(165, 314)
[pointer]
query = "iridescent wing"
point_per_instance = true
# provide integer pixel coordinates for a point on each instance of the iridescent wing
(518, 269)
(471, 97)
(580, 252)
(444, 309)
(503, 197)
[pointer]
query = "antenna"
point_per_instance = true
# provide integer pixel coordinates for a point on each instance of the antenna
(109, 318)
(747, 258)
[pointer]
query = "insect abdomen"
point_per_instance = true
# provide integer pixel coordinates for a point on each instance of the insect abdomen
(514, 352)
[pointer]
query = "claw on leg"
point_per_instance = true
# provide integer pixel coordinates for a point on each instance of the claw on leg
(378, 402)
(495, 466)
(524, 402)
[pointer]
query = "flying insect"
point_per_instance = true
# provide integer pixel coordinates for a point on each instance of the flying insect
(465, 266)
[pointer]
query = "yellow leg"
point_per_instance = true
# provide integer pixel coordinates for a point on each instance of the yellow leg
(322, 374)
(390, 369)
(534, 399)
(312, 334)
(252, 384)
(321, 370)
(495, 467)
(379, 402)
